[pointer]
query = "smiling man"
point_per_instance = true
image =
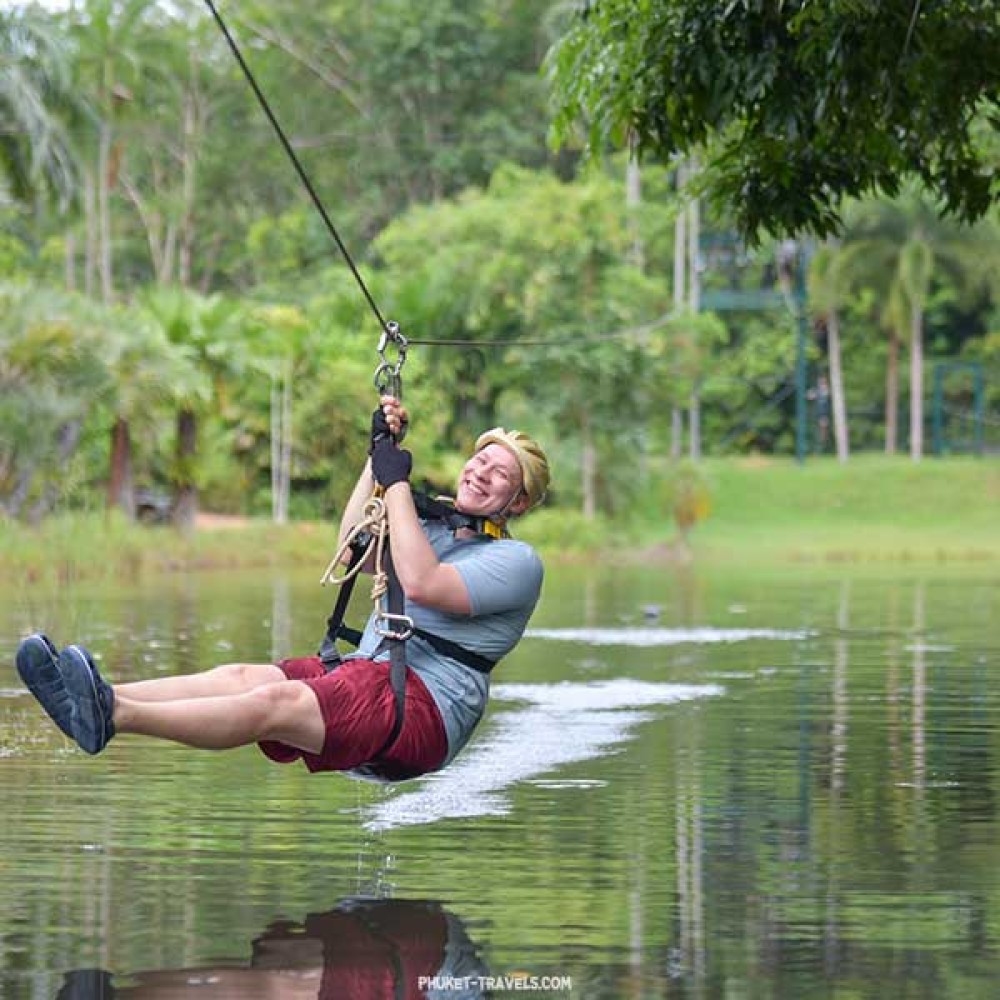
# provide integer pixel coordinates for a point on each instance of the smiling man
(469, 590)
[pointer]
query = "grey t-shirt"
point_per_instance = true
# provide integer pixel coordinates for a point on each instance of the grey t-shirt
(504, 579)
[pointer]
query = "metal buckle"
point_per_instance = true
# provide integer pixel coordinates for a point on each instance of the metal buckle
(388, 633)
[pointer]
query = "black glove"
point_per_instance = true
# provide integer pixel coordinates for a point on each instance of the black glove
(380, 429)
(390, 465)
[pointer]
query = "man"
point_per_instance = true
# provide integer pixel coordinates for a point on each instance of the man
(475, 593)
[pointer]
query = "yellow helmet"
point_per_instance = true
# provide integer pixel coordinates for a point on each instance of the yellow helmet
(530, 457)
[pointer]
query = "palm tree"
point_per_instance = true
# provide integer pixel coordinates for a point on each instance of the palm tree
(146, 370)
(829, 288)
(900, 248)
(206, 333)
(34, 80)
(107, 60)
(893, 317)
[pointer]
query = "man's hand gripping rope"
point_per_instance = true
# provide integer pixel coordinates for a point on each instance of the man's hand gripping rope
(390, 465)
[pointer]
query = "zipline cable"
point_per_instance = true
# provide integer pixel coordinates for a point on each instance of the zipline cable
(387, 328)
(634, 331)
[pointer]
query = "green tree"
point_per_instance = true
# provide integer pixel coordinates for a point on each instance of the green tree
(828, 289)
(146, 370)
(533, 261)
(798, 103)
(902, 247)
(51, 377)
(108, 36)
(207, 332)
(34, 80)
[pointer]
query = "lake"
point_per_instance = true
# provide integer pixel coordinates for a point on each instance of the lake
(733, 783)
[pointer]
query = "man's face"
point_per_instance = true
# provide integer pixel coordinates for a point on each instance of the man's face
(490, 480)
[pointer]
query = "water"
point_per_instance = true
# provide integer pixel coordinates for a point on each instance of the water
(688, 785)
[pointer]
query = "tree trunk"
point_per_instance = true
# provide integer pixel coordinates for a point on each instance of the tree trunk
(892, 395)
(676, 432)
(104, 212)
(680, 294)
(121, 486)
(22, 488)
(69, 261)
(694, 304)
(281, 445)
(840, 434)
(633, 204)
(286, 442)
(90, 254)
(275, 451)
(916, 384)
(186, 492)
(694, 426)
(588, 468)
(189, 164)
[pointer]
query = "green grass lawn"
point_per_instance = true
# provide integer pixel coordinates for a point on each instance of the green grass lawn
(870, 509)
(761, 511)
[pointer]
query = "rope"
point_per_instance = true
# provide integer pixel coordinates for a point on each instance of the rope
(300, 170)
(375, 523)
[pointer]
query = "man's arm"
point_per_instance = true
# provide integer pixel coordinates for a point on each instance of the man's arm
(423, 577)
(360, 495)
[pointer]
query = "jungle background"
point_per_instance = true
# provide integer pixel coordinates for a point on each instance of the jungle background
(179, 333)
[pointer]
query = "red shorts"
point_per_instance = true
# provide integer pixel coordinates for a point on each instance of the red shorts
(359, 710)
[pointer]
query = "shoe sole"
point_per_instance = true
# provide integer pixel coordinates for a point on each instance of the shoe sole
(82, 687)
(27, 669)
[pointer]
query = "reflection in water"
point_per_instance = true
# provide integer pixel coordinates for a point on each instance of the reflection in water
(562, 724)
(281, 620)
(689, 851)
(362, 949)
(829, 826)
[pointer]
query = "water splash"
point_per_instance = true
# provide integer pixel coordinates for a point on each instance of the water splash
(561, 723)
(660, 636)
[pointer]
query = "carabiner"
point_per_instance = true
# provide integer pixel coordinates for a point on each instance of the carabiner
(389, 375)
(405, 620)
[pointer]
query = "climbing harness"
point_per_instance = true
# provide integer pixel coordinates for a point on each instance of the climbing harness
(368, 541)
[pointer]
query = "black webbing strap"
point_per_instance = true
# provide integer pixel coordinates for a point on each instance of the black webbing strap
(434, 510)
(448, 648)
(395, 606)
(335, 627)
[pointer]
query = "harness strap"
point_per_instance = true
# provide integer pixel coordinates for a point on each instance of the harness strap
(446, 647)
(396, 602)
(432, 509)
(328, 652)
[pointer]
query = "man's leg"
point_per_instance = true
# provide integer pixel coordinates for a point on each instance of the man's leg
(228, 679)
(287, 711)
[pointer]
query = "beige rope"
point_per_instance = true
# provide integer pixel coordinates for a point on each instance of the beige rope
(375, 522)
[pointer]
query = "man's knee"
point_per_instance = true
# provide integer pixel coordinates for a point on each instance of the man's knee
(286, 707)
(246, 676)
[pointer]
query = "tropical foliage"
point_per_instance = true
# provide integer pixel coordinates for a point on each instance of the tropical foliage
(177, 319)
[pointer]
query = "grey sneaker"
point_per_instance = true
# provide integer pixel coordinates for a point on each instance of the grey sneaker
(37, 663)
(92, 698)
